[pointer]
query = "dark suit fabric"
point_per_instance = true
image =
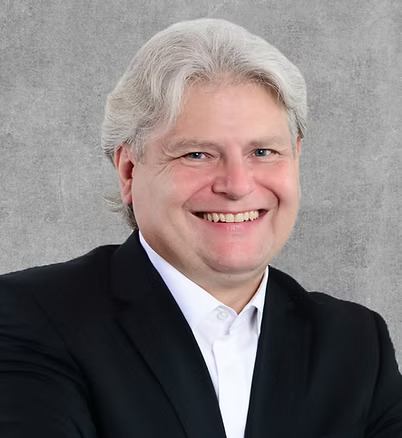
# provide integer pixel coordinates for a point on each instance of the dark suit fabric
(97, 347)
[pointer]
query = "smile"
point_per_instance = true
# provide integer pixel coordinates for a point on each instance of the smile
(231, 217)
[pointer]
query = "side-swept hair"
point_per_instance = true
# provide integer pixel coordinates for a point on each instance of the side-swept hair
(149, 95)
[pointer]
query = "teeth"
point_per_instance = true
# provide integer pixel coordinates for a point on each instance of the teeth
(230, 217)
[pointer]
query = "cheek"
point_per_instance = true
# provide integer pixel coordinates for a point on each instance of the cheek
(281, 178)
(148, 193)
(191, 183)
(165, 192)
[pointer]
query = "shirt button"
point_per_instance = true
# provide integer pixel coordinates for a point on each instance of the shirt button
(222, 315)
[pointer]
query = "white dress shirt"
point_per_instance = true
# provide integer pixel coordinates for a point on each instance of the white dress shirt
(227, 340)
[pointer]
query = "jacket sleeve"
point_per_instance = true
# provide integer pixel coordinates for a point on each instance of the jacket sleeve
(42, 393)
(385, 416)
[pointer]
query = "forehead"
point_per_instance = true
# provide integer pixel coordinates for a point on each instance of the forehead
(212, 114)
(201, 95)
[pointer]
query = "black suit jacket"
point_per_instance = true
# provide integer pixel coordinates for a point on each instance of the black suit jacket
(97, 347)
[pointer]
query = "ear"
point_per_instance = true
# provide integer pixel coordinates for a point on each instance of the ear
(125, 162)
(298, 153)
(298, 146)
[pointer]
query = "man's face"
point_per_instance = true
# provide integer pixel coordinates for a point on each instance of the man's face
(228, 157)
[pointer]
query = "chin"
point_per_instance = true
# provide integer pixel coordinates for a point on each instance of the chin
(250, 253)
(238, 264)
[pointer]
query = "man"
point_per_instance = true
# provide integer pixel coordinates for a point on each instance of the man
(184, 330)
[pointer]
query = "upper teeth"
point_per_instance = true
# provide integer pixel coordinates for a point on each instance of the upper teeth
(230, 217)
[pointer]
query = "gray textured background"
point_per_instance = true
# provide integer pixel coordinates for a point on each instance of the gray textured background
(59, 59)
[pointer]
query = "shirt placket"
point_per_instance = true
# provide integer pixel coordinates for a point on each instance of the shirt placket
(231, 381)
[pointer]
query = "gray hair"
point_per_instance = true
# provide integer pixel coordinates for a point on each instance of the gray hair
(149, 95)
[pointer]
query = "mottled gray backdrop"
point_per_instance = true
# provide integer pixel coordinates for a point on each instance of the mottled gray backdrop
(59, 59)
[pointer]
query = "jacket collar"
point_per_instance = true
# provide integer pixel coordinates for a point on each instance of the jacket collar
(158, 330)
(282, 366)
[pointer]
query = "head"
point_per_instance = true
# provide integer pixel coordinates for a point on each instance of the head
(149, 97)
(204, 129)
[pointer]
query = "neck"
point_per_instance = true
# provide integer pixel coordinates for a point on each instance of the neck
(233, 294)
(233, 290)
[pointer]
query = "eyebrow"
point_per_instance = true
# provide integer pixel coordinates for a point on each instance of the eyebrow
(194, 143)
(266, 142)
(178, 144)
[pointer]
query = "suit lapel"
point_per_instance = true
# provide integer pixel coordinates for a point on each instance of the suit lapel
(158, 330)
(281, 369)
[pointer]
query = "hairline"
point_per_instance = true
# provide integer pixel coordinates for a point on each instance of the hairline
(221, 80)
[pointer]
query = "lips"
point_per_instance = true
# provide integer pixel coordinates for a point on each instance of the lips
(231, 217)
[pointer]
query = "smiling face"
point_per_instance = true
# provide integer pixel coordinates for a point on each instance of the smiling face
(217, 196)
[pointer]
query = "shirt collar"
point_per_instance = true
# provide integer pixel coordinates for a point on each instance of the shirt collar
(194, 301)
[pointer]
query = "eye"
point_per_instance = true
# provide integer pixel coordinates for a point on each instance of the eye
(195, 155)
(262, 152)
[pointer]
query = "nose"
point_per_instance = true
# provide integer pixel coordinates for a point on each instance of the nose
(234, 179)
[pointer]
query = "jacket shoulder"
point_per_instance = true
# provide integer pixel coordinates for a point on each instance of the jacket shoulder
(65, 288)
(322, 305)
(53, 271)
